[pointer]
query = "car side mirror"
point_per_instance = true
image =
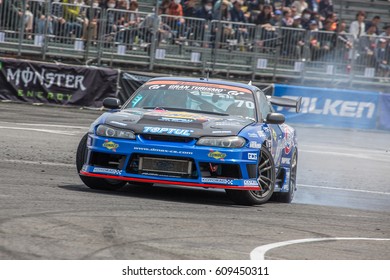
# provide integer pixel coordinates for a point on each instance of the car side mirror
(112, 103)
(275, 118)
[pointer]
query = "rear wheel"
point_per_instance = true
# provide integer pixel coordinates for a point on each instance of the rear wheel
(265, 178)
(94, 183)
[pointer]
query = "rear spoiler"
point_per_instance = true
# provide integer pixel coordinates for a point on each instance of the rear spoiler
(286, 102)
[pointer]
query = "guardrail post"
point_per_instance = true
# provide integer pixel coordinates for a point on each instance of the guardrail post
(102, 27)
(47, 15)
(206, 39)
(156, 26)
(21, 28)
(352, 64)
(277, 53)
(255, 51)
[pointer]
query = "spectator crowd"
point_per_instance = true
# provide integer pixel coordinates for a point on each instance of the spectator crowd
(293, 25)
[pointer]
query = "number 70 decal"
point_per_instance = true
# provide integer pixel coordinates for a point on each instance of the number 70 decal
(247, 104)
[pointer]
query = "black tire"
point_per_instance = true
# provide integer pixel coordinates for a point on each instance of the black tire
(94, 183)
(266, 178)
(288, 196)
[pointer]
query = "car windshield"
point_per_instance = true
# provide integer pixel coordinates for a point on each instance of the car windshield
(194, 97)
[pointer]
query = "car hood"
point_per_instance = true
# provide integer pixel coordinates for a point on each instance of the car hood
(176, 123)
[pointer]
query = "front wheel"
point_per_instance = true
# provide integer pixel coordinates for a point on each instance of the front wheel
(265, 178)
(94, 183)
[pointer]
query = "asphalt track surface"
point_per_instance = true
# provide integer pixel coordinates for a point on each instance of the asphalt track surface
(341, 209)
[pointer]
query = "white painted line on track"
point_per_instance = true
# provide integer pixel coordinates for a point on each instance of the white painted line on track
(354, 155)
(47, 125)
(342, 148)
(61, 132)
(259, 252)
(37, 162)
(341, 189)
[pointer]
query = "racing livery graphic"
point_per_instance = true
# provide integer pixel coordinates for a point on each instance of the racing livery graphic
(197, 133)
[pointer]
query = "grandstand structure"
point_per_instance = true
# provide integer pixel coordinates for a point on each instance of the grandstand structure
(161, 44)
(347, 9)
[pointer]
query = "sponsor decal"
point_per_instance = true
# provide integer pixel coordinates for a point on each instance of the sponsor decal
(268, 144)
(166, 130)
(136, 99)
(274, 136)
(217, 181)
(221, 131)
(286, 161)
(253, 135)
(234, 92)
(217, 155)
(110, 145)
(200, 86)
(250, 183)
(165, 119)
(180, 115)
(156, 86)
(261, 134)
(252, 156)
(225, 122)
(160, 175)
(107, 170)
(286, 185)
(158, 150)
(288, 140)
(254, 144)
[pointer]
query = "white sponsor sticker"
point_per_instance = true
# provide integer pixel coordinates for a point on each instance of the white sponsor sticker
(252, 156)
(250, 183)
(107, 170)
(261, 134)
(217, 181)
(286, 160)
(221, 131)
(254, 144)
(253, 135)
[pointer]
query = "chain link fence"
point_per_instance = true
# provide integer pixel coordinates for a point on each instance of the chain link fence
(130, 38)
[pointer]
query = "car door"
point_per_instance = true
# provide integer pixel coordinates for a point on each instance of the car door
(275, 131)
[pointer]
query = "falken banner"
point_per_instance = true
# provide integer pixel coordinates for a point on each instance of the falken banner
(33, 82)
(384, 118)
(331, 107)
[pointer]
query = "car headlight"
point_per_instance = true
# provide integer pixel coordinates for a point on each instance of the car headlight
(108, 131)
(224, 142)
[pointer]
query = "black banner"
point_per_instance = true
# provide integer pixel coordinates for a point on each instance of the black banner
(55, 84)
(129, 83)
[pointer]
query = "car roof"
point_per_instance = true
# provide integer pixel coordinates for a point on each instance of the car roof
(206, 81)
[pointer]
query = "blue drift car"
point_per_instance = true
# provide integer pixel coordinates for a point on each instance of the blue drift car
(197, 133)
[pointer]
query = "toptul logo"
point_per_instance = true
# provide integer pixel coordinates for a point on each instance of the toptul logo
(339, 108)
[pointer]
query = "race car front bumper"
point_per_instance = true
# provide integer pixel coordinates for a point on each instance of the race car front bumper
(179, 163)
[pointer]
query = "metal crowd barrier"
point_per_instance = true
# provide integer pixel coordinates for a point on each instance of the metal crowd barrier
(123, 37)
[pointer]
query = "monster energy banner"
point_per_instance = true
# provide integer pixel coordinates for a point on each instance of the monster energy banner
(55, 84)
